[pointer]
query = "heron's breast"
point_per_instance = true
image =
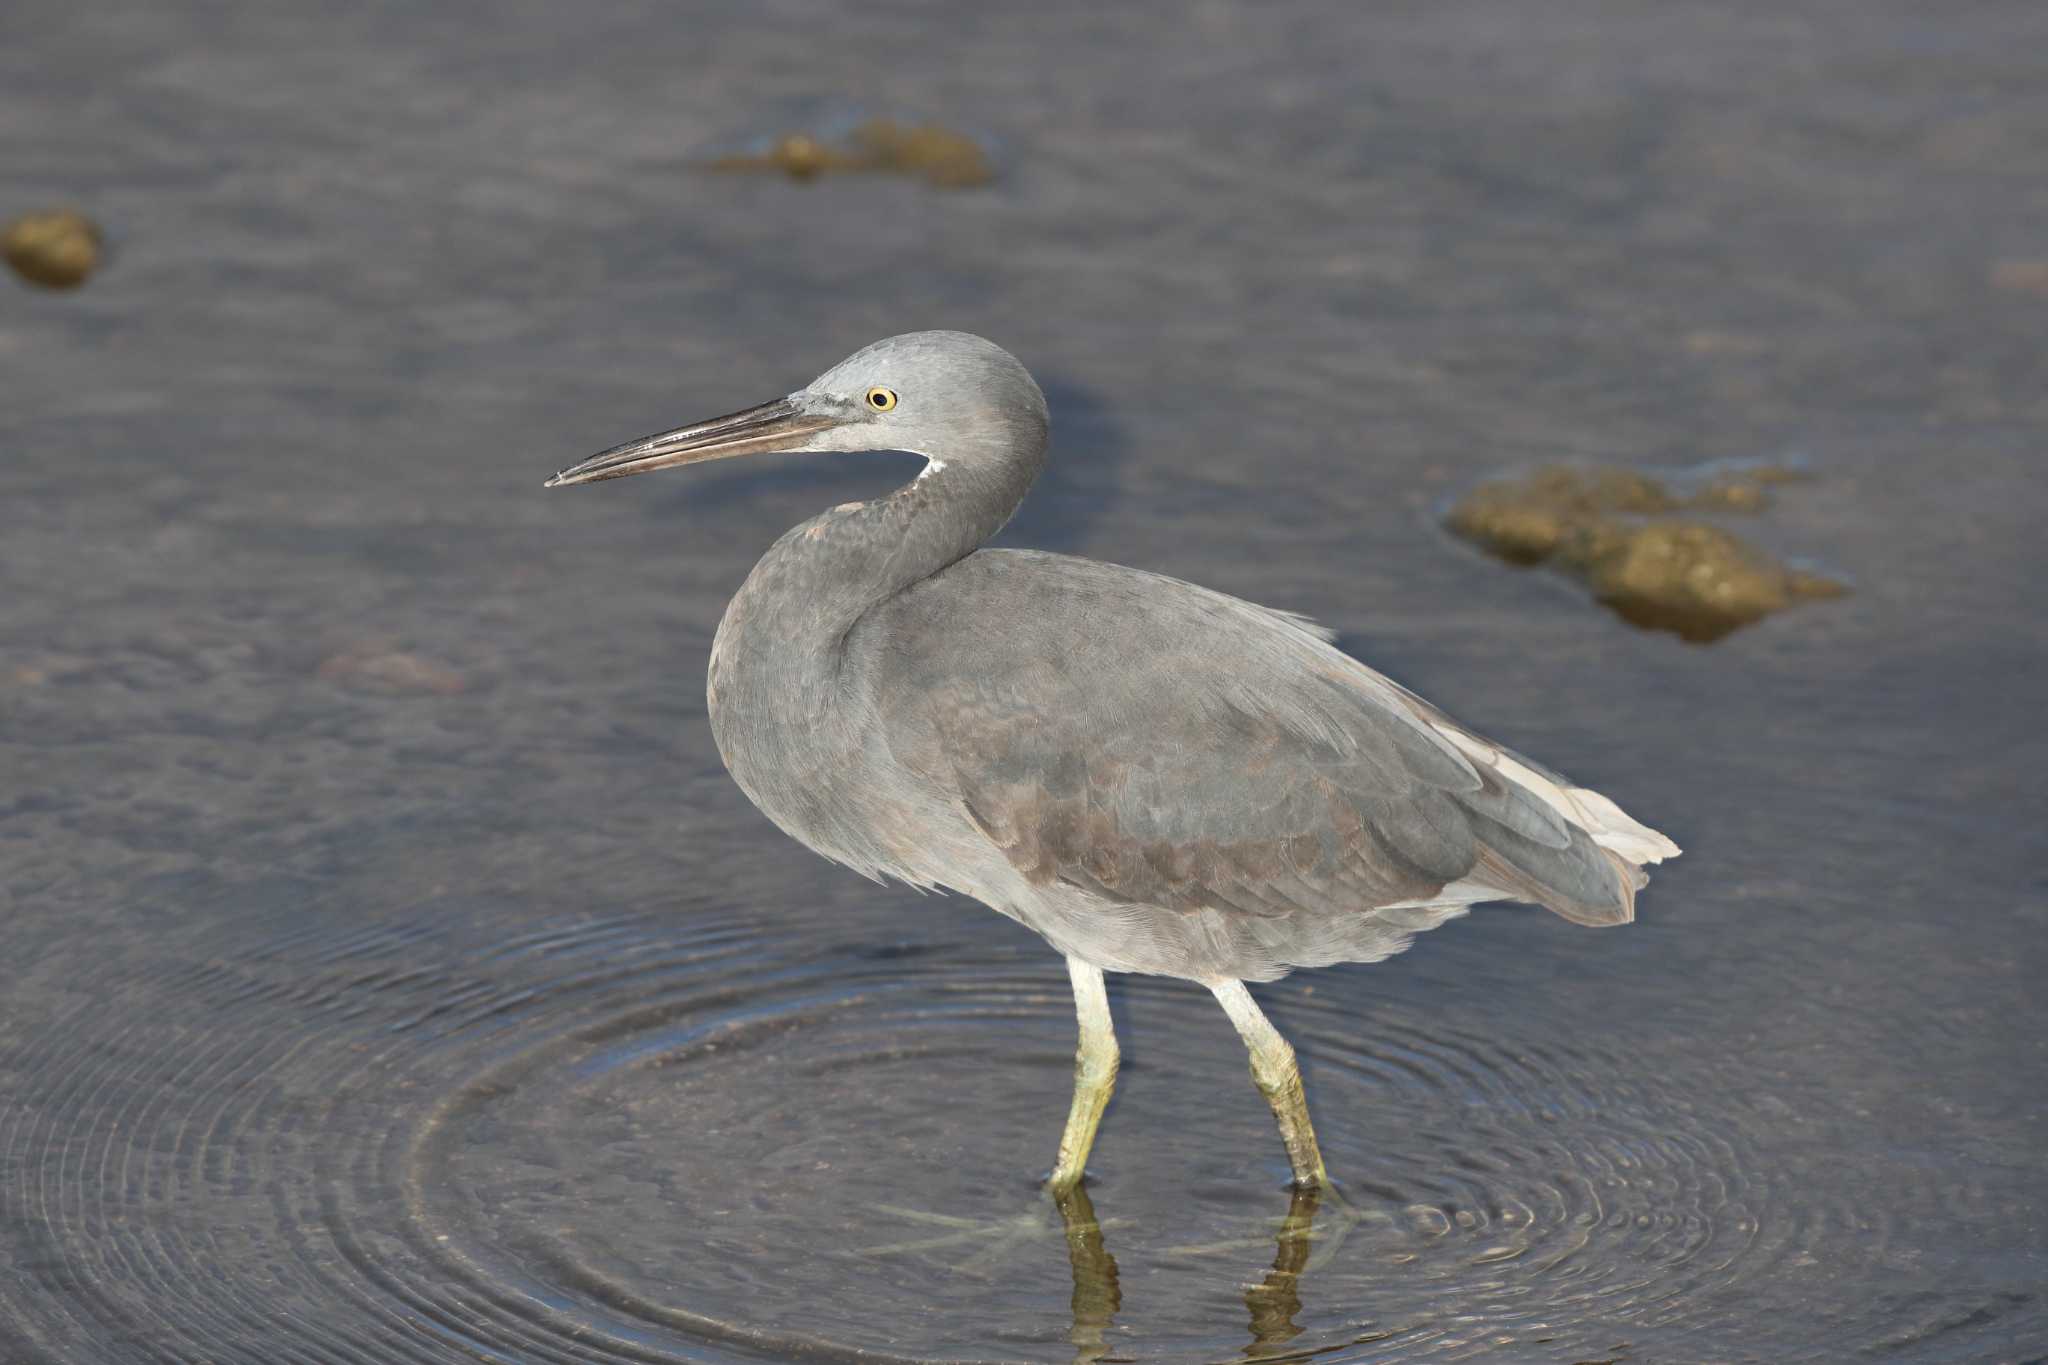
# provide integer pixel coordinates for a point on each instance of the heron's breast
(787, 733)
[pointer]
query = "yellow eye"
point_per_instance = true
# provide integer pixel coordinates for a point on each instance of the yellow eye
(881, 399)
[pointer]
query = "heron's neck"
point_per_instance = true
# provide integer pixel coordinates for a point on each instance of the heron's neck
(823, 576)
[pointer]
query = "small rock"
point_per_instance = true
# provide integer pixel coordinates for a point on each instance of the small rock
(934, 153)
(391, 670)
(800, 157)
(56, 250)
(2021, 277)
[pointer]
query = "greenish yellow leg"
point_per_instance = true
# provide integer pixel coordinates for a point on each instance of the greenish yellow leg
(1279, 1078)
(1094, 1072)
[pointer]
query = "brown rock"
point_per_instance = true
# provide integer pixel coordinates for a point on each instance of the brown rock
(943, 157)
(800, 157)
(1525, 521)
(936, 154)
(56, 250)
(1687, 577)
(1667, 573)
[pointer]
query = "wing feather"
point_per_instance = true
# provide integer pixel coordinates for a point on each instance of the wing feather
(1152, 743)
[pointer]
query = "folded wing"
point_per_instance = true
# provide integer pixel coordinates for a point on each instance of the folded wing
(1179, 748)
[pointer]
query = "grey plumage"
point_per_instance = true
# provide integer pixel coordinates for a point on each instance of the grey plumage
(1155, 777)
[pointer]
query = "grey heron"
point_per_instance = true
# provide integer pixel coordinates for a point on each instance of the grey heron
(1153, 776)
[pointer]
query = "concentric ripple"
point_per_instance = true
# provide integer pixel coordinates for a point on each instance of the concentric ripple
(672, 1136)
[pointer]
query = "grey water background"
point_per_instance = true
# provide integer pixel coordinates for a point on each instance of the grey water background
(391, 972)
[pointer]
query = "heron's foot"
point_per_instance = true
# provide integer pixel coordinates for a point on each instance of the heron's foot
(987, 1242)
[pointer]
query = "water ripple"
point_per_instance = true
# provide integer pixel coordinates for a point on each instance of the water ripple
(667, 1137)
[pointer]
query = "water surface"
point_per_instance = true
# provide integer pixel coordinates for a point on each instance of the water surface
(393, 973)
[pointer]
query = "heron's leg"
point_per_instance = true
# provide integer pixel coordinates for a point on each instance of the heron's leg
(1279, 1078)
(1094, 1072)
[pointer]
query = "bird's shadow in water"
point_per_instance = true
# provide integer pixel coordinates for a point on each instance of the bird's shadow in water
(1079, 486)
(1069, 501)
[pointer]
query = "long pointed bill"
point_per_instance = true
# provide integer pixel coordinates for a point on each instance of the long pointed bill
(779, 425)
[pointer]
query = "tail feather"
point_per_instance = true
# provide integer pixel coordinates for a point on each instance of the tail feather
(1624, 844)
(1595, 888)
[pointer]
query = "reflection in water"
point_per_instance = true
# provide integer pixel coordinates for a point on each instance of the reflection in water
(1096, 1295)
(1275, 1300)
(1272, 1303)
(651, 1136)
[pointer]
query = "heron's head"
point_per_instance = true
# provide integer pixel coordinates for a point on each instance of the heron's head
(948, 396)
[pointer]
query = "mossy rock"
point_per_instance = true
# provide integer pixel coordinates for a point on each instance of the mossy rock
(1665, 573)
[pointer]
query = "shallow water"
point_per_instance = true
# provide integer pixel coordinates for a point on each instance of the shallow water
(393, 973)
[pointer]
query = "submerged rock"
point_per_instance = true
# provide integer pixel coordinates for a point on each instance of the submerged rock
(797, 155)
(376, 667)
(1525, 521)
(56, 250)
(1692, 579)
(2021, 277)
(1613, 529)
(937, 154)
(943, 157)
